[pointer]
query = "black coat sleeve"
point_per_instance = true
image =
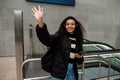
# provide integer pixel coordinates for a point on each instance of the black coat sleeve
(44, 36)
(80, 60)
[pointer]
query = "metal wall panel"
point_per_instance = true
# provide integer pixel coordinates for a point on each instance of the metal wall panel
(19, 42)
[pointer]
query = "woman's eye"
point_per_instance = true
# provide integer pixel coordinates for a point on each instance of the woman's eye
(67, 24)
(72, 24)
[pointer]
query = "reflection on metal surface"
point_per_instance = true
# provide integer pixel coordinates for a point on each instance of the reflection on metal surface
(35, 78)
(19, 41)
(39, 78)
(30, 55)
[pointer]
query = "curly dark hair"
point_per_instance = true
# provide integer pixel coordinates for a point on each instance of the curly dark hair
(78, 32)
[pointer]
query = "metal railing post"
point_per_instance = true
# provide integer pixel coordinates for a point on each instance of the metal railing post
(109, 71)
(19, 42)
(30, 55)
(83, 71)
(99, 70)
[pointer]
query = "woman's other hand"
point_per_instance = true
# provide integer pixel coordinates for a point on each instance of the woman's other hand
(78, 55)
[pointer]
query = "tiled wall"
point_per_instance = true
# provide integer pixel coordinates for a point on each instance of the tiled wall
(99, 17)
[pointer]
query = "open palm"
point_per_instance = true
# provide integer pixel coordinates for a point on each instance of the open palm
(38, 13)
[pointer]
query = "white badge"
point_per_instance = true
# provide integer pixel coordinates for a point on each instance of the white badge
(73, 46)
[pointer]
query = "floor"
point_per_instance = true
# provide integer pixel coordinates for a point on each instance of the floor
(7, 68)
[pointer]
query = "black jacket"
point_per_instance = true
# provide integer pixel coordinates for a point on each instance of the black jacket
(60, 46)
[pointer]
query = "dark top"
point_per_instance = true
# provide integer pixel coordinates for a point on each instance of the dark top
(60, 47)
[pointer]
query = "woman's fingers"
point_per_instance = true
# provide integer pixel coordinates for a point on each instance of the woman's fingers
(42, 9)
(39, 8)
(78, 56)
(35, 9)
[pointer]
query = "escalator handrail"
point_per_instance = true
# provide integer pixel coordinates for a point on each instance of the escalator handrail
(45, 77)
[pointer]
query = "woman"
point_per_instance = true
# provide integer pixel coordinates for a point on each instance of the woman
(66, 43)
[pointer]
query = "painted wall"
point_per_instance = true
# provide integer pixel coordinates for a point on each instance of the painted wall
(101, 19)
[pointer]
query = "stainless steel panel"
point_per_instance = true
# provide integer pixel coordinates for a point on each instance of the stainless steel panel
(19, 41)
(31, 41)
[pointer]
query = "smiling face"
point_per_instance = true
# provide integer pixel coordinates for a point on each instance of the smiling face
(70, 26)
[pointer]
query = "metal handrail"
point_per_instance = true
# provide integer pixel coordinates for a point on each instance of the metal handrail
(82, 73)
(29, 60)
(44, 77)
(100, 61)
(37, 78)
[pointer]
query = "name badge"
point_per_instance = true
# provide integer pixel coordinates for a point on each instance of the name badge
(73, 45)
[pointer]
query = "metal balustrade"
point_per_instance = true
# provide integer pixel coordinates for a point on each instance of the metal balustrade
(80, 73)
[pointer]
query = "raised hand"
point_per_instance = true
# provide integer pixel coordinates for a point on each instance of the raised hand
(38, 15)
